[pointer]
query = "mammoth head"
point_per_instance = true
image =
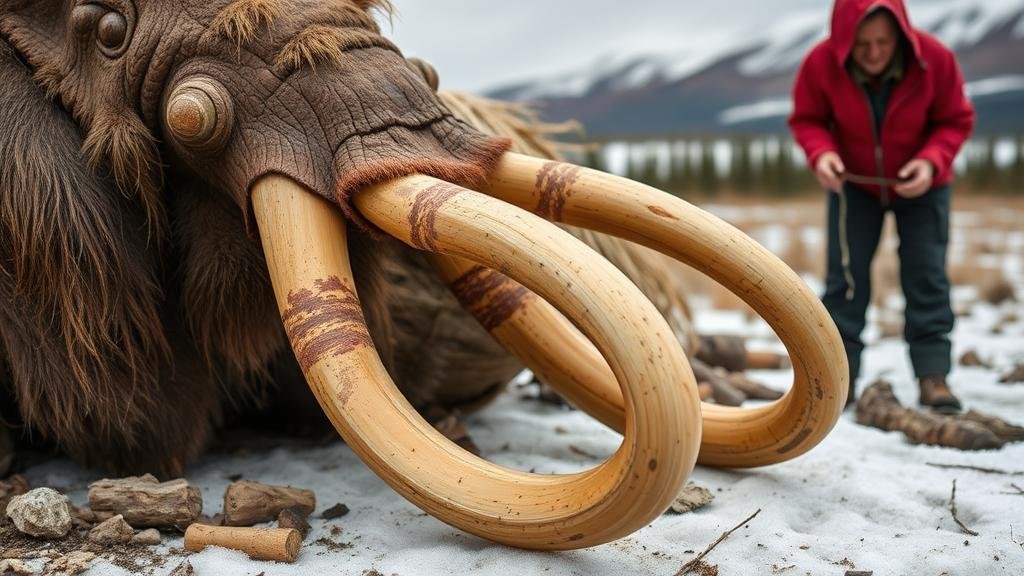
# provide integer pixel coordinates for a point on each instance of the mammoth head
(227, 89)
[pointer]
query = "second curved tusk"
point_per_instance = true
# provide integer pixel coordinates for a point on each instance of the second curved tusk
(732, 437)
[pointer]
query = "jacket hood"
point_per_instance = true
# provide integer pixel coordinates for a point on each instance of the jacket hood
(847, 15)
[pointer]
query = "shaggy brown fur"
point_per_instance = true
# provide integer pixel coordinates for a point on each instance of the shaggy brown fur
(80, 322)
(325, 45)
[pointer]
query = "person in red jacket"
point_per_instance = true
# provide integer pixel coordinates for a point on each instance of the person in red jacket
(880, 111)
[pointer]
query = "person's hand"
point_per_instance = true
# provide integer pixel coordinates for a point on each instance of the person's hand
(919, 175)
(829, 170)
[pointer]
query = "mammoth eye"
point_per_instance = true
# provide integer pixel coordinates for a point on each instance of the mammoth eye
(112, 30)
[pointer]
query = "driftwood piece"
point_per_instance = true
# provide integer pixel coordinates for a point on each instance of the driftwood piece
(146, 502)
(276, 544)
(722, 390)
(879, 408)
(247, 502)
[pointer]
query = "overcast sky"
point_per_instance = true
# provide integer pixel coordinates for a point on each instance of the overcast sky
(480, 43)
(477, 44)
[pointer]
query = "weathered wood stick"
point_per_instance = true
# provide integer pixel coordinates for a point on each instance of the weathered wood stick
(276, 544)
(247, 502)
(145, 502)
(879, 408)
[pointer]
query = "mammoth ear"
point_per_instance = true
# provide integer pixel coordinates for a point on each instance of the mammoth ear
(38, 30)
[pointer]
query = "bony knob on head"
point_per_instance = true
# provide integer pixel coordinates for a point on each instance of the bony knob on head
(199, 113)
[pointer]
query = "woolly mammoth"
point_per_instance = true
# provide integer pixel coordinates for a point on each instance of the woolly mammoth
(199, 199)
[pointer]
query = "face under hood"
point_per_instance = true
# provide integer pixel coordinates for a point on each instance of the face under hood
(847, 15)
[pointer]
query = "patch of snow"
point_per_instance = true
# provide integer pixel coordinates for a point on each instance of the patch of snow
(772, 108)
(995, 85)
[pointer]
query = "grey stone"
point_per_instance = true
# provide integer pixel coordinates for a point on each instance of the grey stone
(43, 513)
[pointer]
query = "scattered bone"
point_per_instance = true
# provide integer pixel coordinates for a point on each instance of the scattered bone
(752, 389)
(43, 513)
(295, 519)
(247, 502)
(336, 511)
(690, 498)
(1001, 428)
(148, 537)
(183, 569)
(277, 544)
(71, 565)
(112, 531)
(146, 502)
(972, 359)
(13, 567)
(1013, 376)
(879, 408)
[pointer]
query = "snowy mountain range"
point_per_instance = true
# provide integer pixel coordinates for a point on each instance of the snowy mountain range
(743, 85)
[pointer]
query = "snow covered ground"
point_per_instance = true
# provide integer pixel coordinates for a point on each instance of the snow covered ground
(864, 499)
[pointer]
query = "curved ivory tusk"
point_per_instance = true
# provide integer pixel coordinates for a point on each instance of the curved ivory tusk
(304, 242)
(732, 437)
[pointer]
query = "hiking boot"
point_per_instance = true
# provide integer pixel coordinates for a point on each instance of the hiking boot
(935, 394)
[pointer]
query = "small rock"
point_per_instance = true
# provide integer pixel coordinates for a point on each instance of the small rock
(183, 569)
(43, 513)
(1015, 375)
(690, 498)
(71, 565)
(112, 531)
(150, 537)
(336, 511)
(293, 518)
(15, 568)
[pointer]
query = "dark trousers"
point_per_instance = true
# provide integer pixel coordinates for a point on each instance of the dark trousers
(923, 227)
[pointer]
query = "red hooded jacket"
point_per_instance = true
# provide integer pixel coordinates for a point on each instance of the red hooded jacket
(927, 116)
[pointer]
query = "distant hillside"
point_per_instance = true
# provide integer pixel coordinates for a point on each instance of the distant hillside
(744, 86)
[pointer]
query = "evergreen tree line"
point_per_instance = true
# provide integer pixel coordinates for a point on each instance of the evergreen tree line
(747, 166)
